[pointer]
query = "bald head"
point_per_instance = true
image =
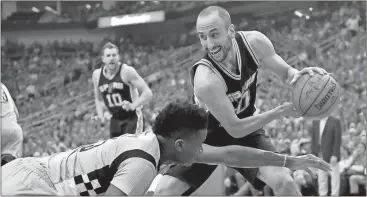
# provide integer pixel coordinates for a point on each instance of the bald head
(221, 12)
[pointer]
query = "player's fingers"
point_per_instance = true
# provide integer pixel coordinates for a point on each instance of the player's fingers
(313, 175)
(310, 72)
(320, 71)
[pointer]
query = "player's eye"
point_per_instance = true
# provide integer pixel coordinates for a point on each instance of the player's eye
(202, 37)
(215, 35)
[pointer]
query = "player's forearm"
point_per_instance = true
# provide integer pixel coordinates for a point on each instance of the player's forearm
(144, 98)
(99, 108)
(242, 156)
(246, 126)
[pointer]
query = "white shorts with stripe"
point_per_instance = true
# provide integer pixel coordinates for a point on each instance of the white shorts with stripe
(11, 138)
(26, 176)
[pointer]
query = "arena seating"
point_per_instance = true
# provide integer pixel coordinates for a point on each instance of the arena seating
(56, 103)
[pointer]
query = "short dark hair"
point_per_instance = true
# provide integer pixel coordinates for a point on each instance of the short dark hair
(180, 117)
(109, 45)
(223, 14)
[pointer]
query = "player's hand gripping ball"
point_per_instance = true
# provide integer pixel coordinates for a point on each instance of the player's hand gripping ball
(316, 96)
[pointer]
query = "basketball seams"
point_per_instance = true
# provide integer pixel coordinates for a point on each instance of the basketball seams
(317, 95)
(299, 99)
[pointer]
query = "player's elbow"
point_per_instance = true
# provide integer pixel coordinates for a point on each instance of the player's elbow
(234, 126)
(233, 129)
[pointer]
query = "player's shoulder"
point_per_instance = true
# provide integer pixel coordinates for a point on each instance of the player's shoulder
(96, 73)
(206, 80)
(127, 71)
(253, 37)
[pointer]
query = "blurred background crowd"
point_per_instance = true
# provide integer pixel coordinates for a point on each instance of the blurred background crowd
(51, 80)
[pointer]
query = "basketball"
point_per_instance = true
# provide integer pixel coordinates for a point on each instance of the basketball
(316, 96)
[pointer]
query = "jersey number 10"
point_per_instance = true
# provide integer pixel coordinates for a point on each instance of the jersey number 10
(114, 100)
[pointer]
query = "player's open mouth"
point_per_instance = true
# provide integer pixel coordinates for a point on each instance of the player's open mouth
(216, 51)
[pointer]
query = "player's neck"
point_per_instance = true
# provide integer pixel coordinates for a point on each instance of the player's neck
(166, 152)
(111, 72)
(230, 62)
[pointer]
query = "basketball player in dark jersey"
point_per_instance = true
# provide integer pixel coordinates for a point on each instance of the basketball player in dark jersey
(224, 83)
(116, 87)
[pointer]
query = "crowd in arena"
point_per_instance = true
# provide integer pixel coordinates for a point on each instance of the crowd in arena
(47, 76)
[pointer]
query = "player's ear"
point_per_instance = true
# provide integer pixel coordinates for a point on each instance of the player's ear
(179, 145)
(231, 31)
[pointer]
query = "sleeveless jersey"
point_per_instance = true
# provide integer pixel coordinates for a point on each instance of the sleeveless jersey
(90, 169)
(240, 87)
(114, 92)
(7, 104)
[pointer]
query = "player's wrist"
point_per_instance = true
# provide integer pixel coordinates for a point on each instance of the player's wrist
(279, 111)
(290, 74)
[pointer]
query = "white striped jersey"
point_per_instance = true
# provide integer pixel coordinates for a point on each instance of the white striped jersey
(128, 162)
(8, 109)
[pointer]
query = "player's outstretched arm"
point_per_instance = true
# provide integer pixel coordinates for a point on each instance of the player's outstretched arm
(210, 90)
(133, 78)
(269, 59)
(247, 157)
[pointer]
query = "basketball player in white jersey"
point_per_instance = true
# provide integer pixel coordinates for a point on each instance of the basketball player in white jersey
(11, 132)
(127, 165)
(224, 82)
(116, 88)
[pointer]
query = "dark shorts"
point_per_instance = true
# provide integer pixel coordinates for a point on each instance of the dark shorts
(197, 174)
(132, 125)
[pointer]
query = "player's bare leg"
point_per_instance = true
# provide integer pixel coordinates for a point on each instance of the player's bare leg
(280, 180)
(171, 186)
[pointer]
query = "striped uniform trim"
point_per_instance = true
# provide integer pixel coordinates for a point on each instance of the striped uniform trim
(98, 181)
(249, 47)
(239, 63)
(207, 63)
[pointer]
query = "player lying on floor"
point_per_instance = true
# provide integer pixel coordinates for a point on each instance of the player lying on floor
(127, 165)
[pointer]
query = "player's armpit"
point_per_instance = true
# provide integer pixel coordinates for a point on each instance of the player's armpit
(269, 59)
(133, 78)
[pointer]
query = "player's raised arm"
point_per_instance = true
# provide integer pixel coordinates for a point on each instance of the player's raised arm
(269, 59)
(211, 91)
(247, 157)
(136, 81)
(97, 95)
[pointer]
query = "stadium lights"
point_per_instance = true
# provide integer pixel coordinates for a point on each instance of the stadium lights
(50, 10)
(34, 9)
(298, 13)
(307, 17)
(88, 6)
(310, 9)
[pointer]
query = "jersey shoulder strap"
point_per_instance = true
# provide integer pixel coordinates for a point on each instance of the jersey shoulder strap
(246, 43)
(209, 65)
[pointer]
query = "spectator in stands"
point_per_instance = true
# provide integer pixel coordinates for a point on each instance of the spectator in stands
(358, 170)
(326, 143)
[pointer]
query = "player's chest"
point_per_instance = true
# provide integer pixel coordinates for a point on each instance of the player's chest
(237, 88)
(114, 86)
